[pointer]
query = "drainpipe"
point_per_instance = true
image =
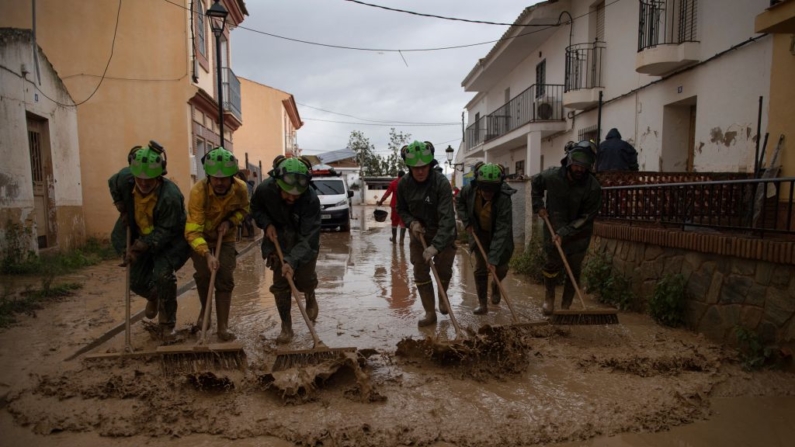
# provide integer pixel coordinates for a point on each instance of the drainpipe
(758, 134)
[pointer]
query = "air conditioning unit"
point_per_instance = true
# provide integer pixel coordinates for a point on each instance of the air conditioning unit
(545, 107)
(192, 164)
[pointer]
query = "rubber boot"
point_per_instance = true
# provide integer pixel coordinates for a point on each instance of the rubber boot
(311, 305)
(151, 308)
(568, 295)
(427, 298)
(495, 293)
(283, 306)
(549, 298)
(223, 302)
(393, 239)
(442, 305)
(482, 286)
(402, 235)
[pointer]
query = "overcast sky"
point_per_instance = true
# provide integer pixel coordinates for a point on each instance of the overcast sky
(370, 85)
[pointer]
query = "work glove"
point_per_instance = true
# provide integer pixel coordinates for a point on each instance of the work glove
(379, 203)
(542, 213)
(416, 229)
(212, 262)
(287, 271)
(429, 253)
(138, 248)
(223, 228)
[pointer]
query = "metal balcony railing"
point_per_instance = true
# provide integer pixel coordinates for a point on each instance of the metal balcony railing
(667, 22)
(748, 205)
(539, 102)
(231, 85)
(584, 66)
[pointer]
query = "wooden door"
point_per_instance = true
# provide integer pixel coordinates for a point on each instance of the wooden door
(36, 146)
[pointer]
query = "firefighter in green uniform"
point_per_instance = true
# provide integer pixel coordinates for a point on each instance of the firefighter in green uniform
(484, 207)
(573, 198)
(288, 210)
(425, 203)
(217, 206)
(153, 207)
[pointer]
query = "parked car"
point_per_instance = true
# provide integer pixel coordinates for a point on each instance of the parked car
(334, 199)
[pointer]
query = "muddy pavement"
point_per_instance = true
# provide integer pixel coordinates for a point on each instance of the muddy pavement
(579, 385)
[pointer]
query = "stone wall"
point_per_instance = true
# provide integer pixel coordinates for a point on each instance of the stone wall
(723, 291)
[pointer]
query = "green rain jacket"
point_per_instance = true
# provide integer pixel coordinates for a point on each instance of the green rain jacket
(431, 203)
(298, 226)
(501, 248)
(572, 206)
(168, 237)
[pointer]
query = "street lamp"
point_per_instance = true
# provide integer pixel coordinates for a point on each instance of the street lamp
(217, 15)
(449, 153)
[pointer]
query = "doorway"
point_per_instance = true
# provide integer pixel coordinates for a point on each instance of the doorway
(41, 174)
(679, 136)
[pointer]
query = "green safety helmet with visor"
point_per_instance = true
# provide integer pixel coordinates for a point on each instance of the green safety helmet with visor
(417, 154)
(583, 154)
(292, 175)
(489, 176)
(220, 163)
(147, 162)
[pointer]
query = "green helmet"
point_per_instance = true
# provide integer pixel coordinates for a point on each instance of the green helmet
(219, 162)
(146, 163)
(583, 154)
(292, 176)
(489, 173)
(417, 154)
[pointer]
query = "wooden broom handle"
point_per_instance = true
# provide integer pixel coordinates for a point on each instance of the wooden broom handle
(496, 278)
(309, 324)
(565, 262)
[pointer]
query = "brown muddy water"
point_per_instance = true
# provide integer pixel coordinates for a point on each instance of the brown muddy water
(633, 384)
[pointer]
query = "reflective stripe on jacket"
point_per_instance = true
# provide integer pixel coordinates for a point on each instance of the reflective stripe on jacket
(206, 211)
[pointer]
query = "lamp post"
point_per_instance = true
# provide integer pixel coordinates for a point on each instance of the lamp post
(217, 15)
(456, 166)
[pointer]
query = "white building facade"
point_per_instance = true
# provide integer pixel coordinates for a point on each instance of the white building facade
(680, 80)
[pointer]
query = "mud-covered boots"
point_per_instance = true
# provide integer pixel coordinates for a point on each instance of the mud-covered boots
(482, 287)
(428, 303)
(283, 306)
(549, 298)
(495, 292)
(151, 308)
(402, 234)
(223, 302)
(393, 239)
(311, 305)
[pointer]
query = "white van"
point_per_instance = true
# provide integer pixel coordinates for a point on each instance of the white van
(335, 206)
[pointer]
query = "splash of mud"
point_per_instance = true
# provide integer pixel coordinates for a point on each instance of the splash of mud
(491, 352)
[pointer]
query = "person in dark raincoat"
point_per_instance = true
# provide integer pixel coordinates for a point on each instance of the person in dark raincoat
(616, 154)
(573, 198)
(485, 208)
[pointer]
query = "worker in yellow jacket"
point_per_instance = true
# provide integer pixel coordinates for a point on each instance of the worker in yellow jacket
(217, 206)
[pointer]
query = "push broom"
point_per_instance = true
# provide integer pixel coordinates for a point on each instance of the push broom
(584, 316)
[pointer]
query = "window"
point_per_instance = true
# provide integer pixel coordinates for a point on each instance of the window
(520, 167)
(201, 42)
(541, 78)
(600, 22)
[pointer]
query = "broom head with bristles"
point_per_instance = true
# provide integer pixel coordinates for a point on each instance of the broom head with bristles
(304, 357)
(179, 359)
(584, 317)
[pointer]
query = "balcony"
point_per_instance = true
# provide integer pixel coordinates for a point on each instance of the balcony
(231, 86)
(540, 102)
(667, 34)
(583, 75)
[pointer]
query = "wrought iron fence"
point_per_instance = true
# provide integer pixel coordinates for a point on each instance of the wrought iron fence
(539, 102)
(584, 66)
(667, 22)
(231, 85)
(755, 205)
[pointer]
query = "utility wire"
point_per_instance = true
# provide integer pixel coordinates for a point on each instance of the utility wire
(482, 22)
(390, 50)
(382, 124)
(112, 47)
(375, 121)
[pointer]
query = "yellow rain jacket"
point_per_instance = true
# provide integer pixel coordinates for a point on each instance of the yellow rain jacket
(206, 212)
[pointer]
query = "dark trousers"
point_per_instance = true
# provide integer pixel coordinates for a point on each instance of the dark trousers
(152, 277)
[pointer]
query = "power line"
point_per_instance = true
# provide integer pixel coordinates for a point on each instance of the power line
(376, 121)
(381, 124)
(438, 17)
(112, 47)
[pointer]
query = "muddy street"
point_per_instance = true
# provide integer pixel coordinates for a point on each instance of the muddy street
(633, 384)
